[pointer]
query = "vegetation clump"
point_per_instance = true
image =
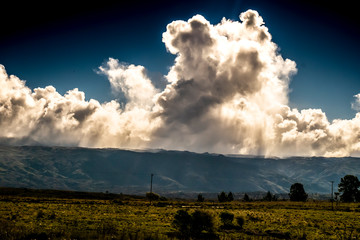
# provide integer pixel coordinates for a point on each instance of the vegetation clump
(152, 196)
(246, 198)
(199, 224)
(223, 197)
(227, 219)
(349, 187)
(269, 197)
(240, 221)
(200, 198)
(297, 193)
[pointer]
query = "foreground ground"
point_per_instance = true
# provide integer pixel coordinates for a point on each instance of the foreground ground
(129, 218)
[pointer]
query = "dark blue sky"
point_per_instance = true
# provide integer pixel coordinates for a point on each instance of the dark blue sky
(63, 44)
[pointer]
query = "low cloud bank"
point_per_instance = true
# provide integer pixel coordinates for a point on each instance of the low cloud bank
(227, 92)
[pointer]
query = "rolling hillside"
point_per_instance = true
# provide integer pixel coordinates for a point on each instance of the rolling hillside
(114, 170)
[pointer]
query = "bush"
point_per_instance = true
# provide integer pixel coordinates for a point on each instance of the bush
(162, 198)
(226, 218)
(152, 196)
(197, 225)
(40, 214)
(200, 198)
(182, 222)
(240, 221)
(201, 221)
(52, 216)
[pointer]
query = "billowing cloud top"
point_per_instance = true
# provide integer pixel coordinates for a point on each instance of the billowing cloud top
(227, 92)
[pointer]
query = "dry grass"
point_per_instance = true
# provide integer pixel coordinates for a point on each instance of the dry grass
(39, 218)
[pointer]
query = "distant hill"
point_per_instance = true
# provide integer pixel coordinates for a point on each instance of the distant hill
(122, 171)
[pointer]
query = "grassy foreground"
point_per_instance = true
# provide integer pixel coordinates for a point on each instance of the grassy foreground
(61, 218)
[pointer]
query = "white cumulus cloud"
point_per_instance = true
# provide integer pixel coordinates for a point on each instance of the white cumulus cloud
(46, 117)
(356, 104)
(227, 92)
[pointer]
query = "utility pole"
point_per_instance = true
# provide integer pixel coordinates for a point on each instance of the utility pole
(151, 196)
(332, 195)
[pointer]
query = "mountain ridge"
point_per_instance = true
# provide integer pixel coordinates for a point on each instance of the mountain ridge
(128, 171)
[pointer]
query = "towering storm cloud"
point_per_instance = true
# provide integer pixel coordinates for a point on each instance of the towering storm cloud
(227, 92)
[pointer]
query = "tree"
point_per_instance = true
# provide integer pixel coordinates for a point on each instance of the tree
(349, 187)
(200, 198)
(246, 198)
(230, 197)
(274, 198)
(223, 197)
(297, 192)
(268, 197)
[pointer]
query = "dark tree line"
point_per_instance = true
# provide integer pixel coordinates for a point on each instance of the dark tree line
(348, 187)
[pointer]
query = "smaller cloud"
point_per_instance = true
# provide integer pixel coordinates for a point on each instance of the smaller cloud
(130, 80)
(356, 104)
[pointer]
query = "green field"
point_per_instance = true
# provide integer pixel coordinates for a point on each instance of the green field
(123, 217)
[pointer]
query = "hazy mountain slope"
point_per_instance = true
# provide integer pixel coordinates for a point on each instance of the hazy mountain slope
(129, 171)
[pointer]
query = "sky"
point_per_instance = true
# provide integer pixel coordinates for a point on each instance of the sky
(99, 49)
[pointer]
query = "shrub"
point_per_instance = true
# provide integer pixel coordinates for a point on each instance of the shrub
(162, 198)
(226, 218)
(40, 214)
(240, 221)
(117, 201)
(161, 204)
(107, 228)
(152, 196)
(52, 216)
(182, 222)
(201, 221)
(197, 224)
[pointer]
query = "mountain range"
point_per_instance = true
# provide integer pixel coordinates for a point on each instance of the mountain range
(126, 171)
